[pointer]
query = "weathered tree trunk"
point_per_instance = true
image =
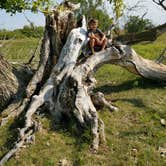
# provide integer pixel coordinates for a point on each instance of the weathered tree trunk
(67, 87)
(138, 65)
(58, 26)
(8, 83)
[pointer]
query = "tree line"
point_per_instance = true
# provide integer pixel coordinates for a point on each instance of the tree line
(26, 31)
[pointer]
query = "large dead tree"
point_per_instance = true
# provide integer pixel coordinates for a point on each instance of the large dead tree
(64, 84)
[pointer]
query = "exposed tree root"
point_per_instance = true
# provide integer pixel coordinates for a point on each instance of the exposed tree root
(13, 110)
(17, 147)
(100, 101)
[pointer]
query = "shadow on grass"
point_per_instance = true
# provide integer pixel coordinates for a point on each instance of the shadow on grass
(70, 125)
(82, 135)
(138, 102)
(12, 136)
(134, 101)
(140, 83)
(12, 133)
(134, 133)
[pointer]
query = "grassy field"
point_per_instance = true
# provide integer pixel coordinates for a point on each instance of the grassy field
(134, 134)
(19, 50)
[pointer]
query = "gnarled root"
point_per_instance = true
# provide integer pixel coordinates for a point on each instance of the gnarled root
(99, 101)
(26, 137)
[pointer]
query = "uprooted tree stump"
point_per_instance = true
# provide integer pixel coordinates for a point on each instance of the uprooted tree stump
(66, 86)
(8, 83)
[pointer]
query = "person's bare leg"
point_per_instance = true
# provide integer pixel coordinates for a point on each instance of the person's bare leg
(104, 44)
(92, 44)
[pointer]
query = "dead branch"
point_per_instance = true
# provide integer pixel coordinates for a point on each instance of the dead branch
(162, 56)
(160, 3)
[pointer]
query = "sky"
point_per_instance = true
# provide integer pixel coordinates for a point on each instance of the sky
(154, 12)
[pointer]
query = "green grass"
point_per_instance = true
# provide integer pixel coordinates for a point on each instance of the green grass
(142, 104)
(151, 50)
(19, 50)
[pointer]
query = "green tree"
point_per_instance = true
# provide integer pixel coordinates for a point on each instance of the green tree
(14, 6)
(90, 5)
(90, 8)
(118, 6)
(95, 9)
(104, 19)
(136, 24)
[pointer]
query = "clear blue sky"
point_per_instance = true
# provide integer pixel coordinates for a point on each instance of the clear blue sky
(155, 13)
(18, 20)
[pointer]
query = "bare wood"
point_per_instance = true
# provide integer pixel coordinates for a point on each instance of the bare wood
(15, 149)
(13, 110)
(83, 107)
(45, 49)
(100, 101)
(34, 53)
(57, 29)
(141, 66)
(46, 92)
(58, 26)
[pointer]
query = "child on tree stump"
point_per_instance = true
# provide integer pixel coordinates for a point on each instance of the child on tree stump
(96, 36)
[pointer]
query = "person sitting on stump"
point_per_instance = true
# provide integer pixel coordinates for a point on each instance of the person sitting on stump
(96, 36)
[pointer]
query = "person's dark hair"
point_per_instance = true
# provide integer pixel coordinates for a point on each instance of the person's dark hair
(92, 21)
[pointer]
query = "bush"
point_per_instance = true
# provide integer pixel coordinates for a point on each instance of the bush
(136, 24)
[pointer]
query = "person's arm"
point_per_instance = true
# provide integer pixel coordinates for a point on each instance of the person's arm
(102, 34)
(92, 36)
(102, 39)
